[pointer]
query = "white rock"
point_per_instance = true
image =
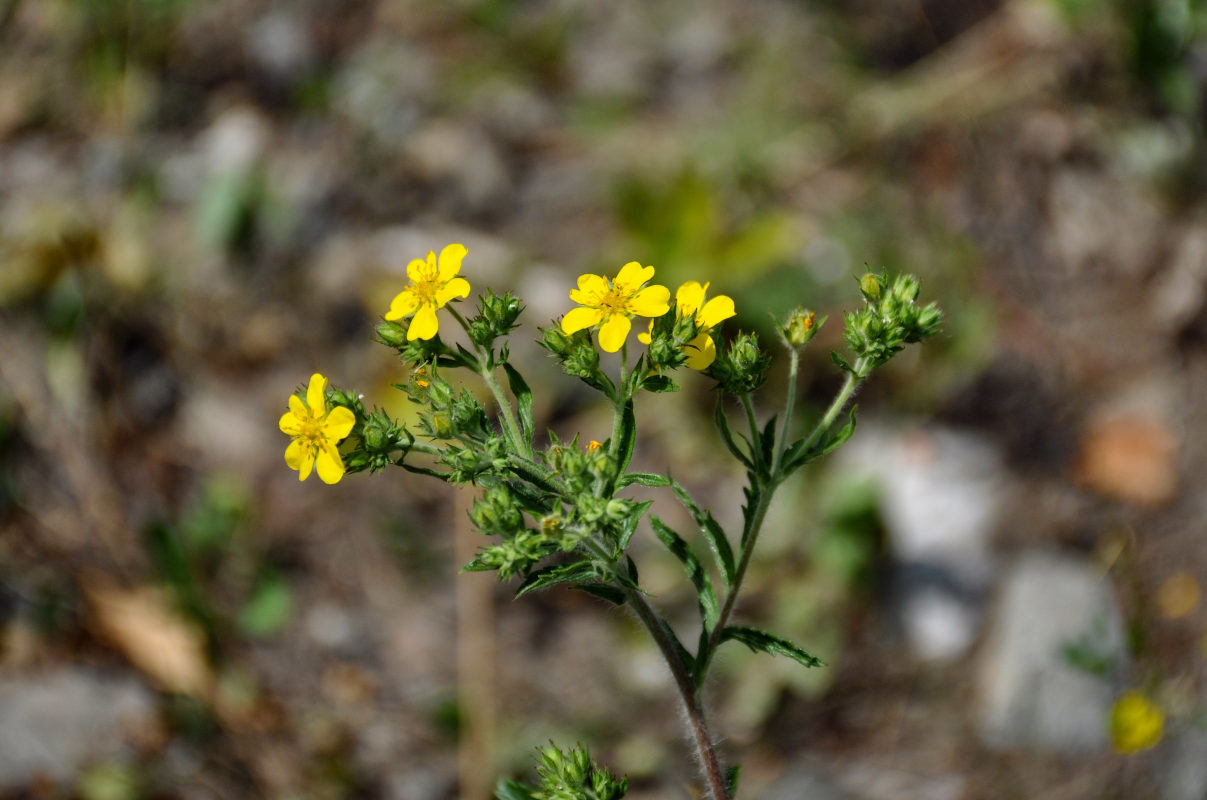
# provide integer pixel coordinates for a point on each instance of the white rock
(1028, 694)
(1184, 772)
(54, 723)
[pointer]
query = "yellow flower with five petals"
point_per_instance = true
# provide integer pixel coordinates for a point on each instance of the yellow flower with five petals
(316, 431)
(434, 284)
(689, 302)
(611, 304)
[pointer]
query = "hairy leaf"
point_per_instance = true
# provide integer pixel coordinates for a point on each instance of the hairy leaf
(576, 572)
(523, 398)
(717, 541)
(707, 599)
(769, 643)
(643, 479)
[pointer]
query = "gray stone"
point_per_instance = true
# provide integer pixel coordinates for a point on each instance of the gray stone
(54, 723)
(1052, 611)
(1184, 772)
(803, 783)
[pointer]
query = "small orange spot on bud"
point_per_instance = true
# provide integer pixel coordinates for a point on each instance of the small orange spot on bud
(593, 446)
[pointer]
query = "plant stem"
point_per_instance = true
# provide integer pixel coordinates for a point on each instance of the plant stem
(510, 427)
(688, 693)
(789, 405)
(853, 380)
(756, 452)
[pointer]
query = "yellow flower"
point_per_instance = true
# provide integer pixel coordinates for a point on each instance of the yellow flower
(593, 445)
(433, 285)
(1136, 723)
(689, 302)
(315, 432)
(610, 304)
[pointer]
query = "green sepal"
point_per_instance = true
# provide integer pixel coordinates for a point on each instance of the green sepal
(717, 541)
(467, 359)
(523, 399)
(765, 642)
(731, 780)
(722, 423)
(680, 549)
(604, 591)
(659, 384)
(512, 790)
(627, 436)
(652, 479)
(576, 572)
(630, 524)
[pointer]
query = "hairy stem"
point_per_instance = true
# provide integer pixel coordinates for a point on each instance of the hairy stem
(714, 776)
(789, 405)
(510, 426)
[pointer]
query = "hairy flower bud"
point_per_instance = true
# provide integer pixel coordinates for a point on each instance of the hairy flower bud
(801, 327)
(743, 366)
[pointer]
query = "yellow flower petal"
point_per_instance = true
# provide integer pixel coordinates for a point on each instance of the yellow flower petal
(631, 276)
(417, 270)
(613, 333)
(316, 395)
(330, 465)
(579, 318)
(652, 301)
(305, 463)
(647, 336)
(715, 311)
(295, 453)
(290, 424)
(298, 408)
(591, 288)
(424, 325)
(700, 352)
(457, 287)
(404, 303)
(689, 297)
(450, 262)
(1136, 723)
(339, 423)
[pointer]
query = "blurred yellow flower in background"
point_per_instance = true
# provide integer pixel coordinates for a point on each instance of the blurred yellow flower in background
(610, 304)
(1136, 723)
(315, 432)
(434, 284)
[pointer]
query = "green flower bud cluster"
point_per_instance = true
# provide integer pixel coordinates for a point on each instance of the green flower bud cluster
(577, 356)
(668, 336)
(375, 438)
(742, 367)
(497, 316)
(889, 320)
(454, 415)
(568, 776)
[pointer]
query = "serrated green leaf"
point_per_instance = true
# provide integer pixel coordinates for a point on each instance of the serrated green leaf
(722, 423)
(630, 524)
(604, 591)
(652, 479)
(680, 549)
(758, 640)
(717, 540)
(659, 384)
(523, 398)
(576, 572)
(767, 440)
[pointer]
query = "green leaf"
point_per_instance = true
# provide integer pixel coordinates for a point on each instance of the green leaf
(827, 443)
(630, 524)
(731, 779)
(643, 479)
(659, 384)
(468, 359)
(717, 541)
(512, 790)
(769, 643)
(767, 440)
(576, 572)
(722, 423)
(680, 549)
(268, 609)
(604, 591)
(523, 398)
(689, 663)
(627, 435)
(841, 363)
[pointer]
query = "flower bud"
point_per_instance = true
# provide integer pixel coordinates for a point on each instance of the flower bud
(391, 334)
(869, 286)
(802, 325)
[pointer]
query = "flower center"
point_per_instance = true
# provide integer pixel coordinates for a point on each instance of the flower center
(426, 290)
(312, 431)
(615, 300)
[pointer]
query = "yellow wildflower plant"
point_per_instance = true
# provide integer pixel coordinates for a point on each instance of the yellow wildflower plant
(689, 302)
(316, 431)
(612, 304)
(1136, 723)
(434, 284)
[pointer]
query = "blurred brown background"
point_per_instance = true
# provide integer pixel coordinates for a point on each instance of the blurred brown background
(203, 201)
